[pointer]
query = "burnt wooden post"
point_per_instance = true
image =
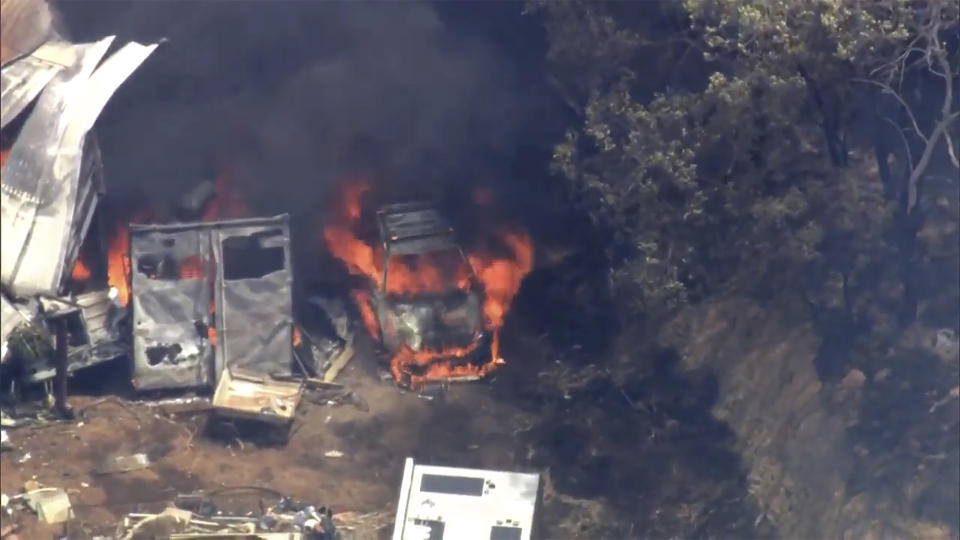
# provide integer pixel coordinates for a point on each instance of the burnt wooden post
(60, 363)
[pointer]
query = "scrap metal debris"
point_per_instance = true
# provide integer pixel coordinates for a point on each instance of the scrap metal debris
(52, 183)
(196, 516)
(331, 348)
(121, 463)
(335, 397)
(50, 504)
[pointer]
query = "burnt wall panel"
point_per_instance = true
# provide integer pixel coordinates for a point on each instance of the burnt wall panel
(171, 308)
(255, 299)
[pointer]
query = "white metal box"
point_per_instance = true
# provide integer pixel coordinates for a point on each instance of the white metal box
(450, 503)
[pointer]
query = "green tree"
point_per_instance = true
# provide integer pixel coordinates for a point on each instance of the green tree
(732, 142)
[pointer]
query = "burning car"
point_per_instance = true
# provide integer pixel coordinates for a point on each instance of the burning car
(441, 316)
(436, 308)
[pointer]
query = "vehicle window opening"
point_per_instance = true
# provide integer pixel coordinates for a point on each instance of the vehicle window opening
(254, 256)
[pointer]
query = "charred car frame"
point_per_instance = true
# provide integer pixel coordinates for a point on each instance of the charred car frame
(448, 317)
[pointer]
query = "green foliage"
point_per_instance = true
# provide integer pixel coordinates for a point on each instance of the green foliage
(753, 172)
(30, 345)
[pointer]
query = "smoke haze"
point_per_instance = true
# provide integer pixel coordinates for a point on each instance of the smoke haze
(295, 96)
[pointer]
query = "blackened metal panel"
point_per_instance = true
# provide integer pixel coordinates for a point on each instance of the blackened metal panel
(94, 336)
(171, 294)
(100, 314)
(425, 244)
(255, 301)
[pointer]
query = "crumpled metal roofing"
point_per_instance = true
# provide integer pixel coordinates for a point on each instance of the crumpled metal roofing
(45, 201)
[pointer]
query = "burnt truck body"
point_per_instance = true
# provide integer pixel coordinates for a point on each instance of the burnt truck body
(450, 316)
(211, 296)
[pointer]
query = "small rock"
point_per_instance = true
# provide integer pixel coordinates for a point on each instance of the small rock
(333, 453)
(853, 379)
(946, 345)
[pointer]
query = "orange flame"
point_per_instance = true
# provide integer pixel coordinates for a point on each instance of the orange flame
(362, 299)
(437, 365)
(228, 203)
(118, 260)
(354, 196)
(80, 272)
(500, 277)
(3, 157)
(359, 257)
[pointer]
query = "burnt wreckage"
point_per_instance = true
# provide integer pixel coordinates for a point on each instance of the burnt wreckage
(209, 296)
(51, 92)
(450, 318)
(213, 305)
(210, 303)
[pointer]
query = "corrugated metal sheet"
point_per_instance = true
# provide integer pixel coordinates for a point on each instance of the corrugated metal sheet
(22, 81)
(42, 180)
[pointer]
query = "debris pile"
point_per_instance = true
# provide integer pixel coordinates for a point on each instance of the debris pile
(52, 183)
(196, 516)
(208, 295)
(51, 505)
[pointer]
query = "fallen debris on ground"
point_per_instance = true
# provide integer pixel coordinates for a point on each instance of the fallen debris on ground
(196, 516)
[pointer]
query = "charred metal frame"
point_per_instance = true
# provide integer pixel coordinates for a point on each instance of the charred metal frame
(415, 228)
(251, 294)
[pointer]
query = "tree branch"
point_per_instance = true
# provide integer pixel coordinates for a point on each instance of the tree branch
(906, 145)
(887, 89)
(941, 57)
(925, 159)
(950, 151)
